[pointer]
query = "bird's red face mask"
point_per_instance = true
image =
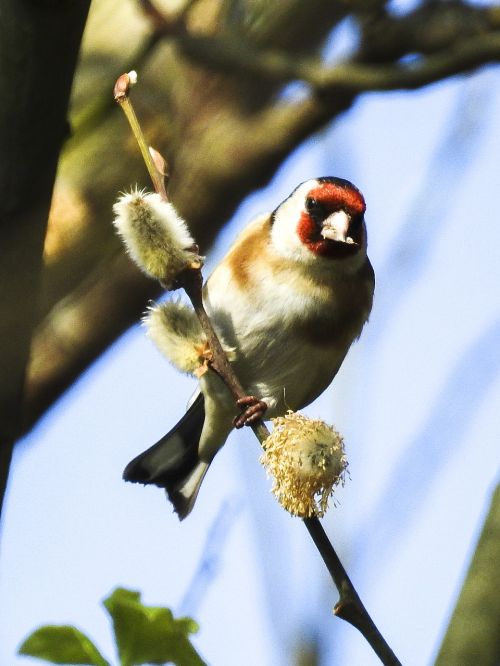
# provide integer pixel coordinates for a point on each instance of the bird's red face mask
(332, 222)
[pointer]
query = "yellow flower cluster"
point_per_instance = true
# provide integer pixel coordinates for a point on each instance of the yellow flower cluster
(306, 458)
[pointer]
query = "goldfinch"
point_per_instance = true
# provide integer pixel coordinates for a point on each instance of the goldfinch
(288, 300)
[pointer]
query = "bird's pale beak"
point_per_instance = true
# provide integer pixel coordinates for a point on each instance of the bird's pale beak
(336, 227)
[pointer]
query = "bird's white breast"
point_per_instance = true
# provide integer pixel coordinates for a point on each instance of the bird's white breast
(269, 312)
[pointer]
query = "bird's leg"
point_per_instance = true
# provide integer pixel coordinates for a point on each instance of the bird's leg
(253, 411)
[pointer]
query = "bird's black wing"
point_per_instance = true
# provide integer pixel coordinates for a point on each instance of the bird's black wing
(174, 456)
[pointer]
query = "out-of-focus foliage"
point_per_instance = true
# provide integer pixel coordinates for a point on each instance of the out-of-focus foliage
(62, 645)
(143, 635)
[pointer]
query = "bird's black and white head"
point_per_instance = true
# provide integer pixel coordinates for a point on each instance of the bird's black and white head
(322, 219)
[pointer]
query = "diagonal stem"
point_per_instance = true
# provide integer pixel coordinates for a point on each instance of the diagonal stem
(349, 606)
(121, 92)
(192, 282)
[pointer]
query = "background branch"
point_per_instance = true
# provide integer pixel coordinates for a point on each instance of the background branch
(473, 635)
(231, 56)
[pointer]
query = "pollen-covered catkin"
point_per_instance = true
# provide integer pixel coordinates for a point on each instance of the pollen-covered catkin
(175, 330)
(156, 238)
(306, 458)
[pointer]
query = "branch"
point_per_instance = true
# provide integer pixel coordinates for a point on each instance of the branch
(462, 57)
(473, 635)
(229, 55)
(430, 27)
(349, 607)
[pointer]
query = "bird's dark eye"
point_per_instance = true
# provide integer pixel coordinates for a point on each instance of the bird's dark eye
(356, 222)
(315, 209)
(356, 228)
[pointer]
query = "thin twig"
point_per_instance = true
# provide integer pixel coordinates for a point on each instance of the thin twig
(121, 91)
(349, 606)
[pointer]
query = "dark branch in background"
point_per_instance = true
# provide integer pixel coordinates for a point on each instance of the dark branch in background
(450, 38)
(473, 636)
(349, 607)
(430, 27)
(231, 56)
(39, 44)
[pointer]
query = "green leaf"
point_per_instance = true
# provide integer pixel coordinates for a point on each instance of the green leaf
(149, 634)
(62, 645)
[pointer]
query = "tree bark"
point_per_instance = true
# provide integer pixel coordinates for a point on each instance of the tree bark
(39, 43)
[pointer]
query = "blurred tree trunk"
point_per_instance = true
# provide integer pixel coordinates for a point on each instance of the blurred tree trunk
(39, 43)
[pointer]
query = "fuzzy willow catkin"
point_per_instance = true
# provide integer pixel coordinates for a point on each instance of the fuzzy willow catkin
(156, 238)
(175, 330)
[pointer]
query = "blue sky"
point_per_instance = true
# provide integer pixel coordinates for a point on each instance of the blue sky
(417, 401)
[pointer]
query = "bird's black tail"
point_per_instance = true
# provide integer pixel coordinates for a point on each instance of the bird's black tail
(173, 463)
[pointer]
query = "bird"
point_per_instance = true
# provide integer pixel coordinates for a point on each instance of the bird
(289, 298)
